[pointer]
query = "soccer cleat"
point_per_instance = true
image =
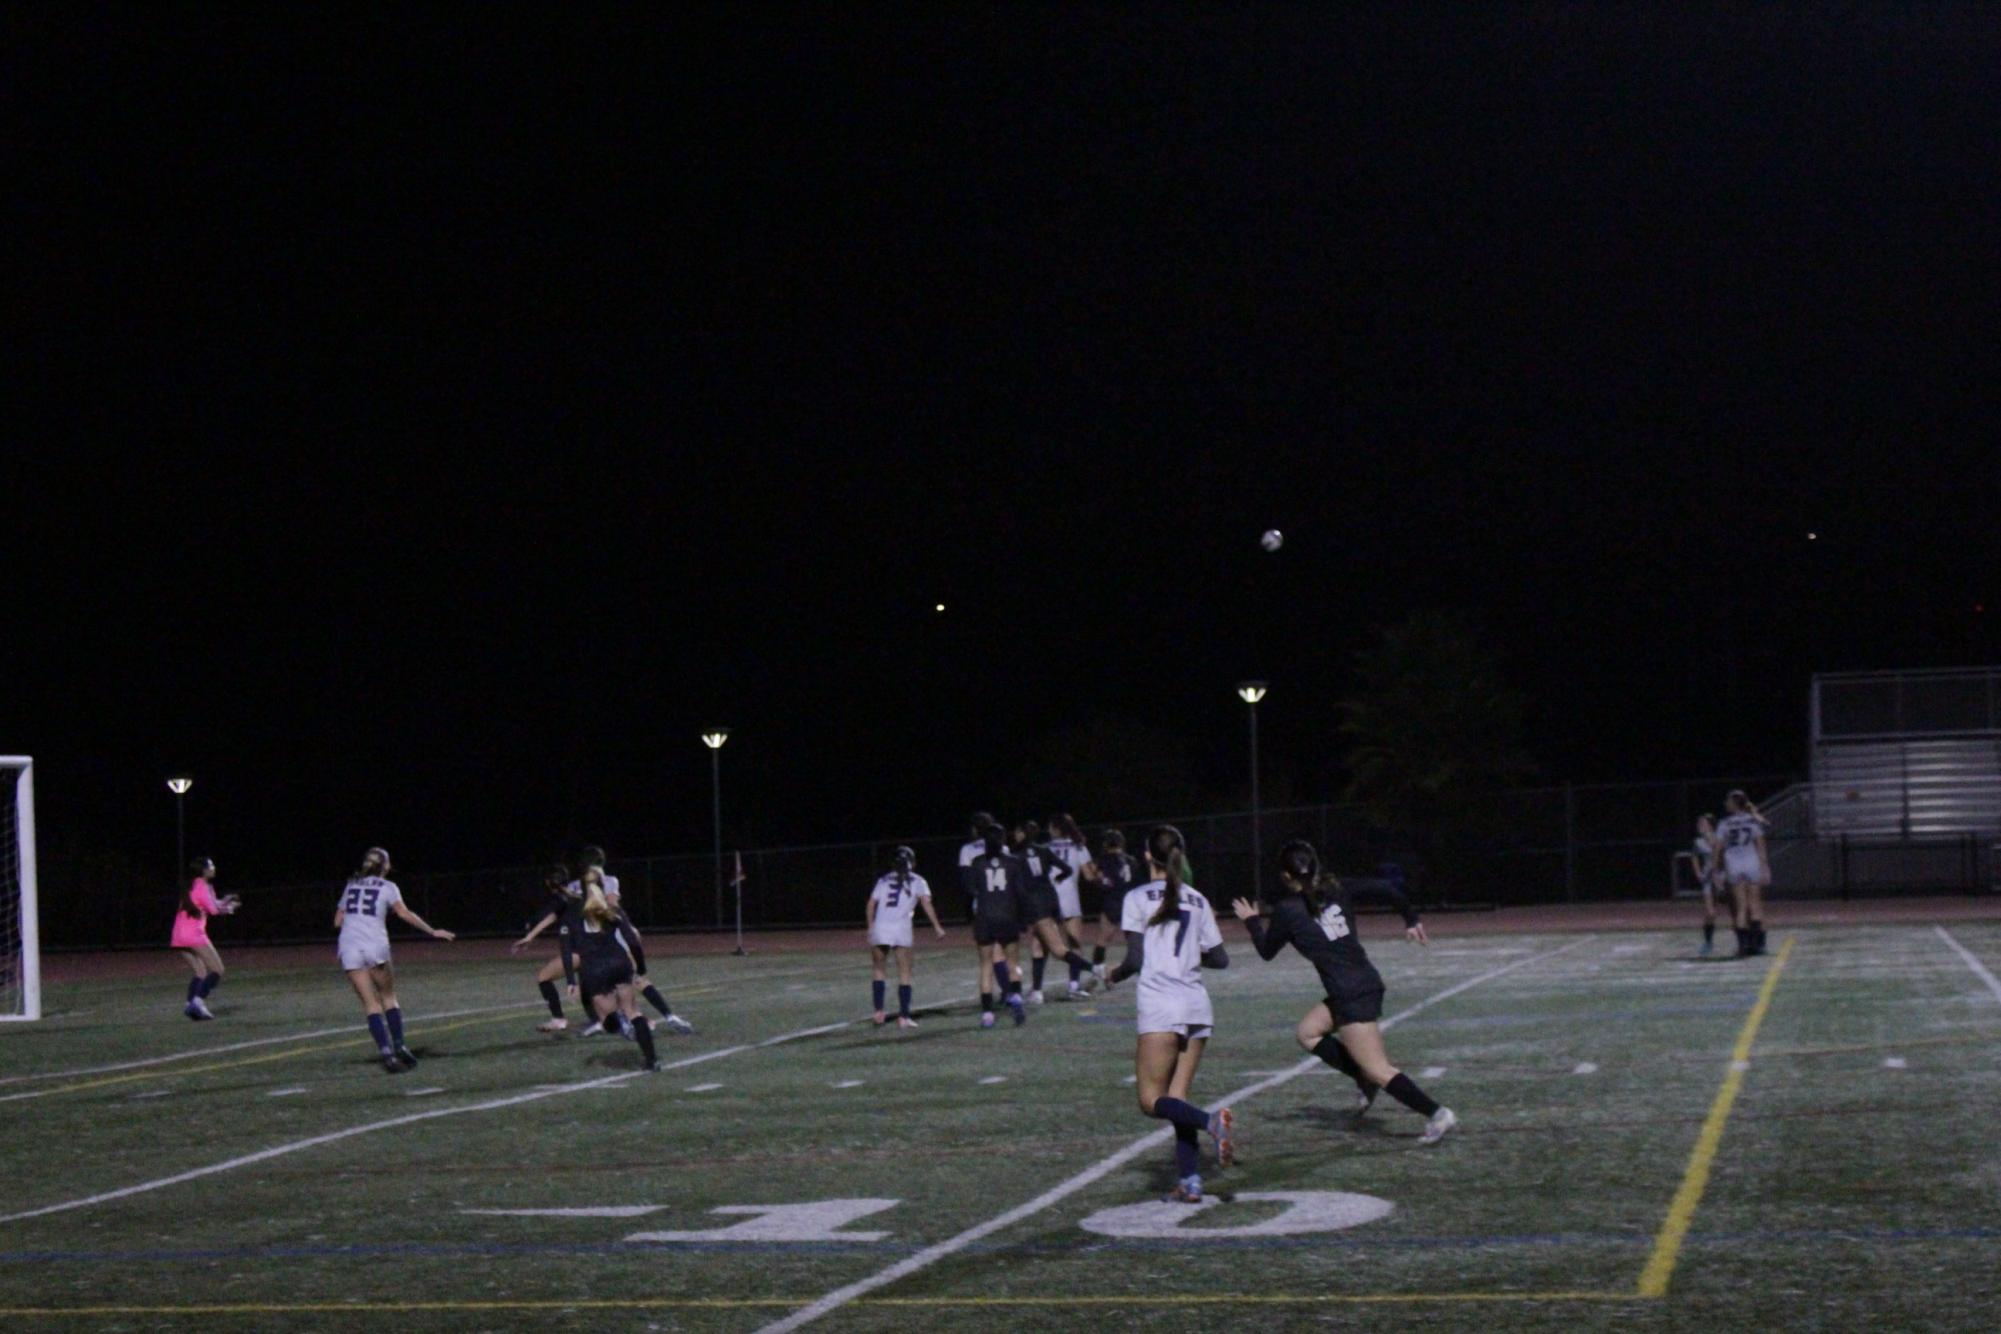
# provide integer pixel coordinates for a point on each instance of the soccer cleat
(196, 1010)
(1035, 996)
(655, 1067)
(552, 1026)
(1708, 948)
(905, 1021)
(626, 1031)
(1441, 1121)
(676, 1025)
(1020, 1011)
(986, 1019)
(1098, 971)
(405, 1055)
(1223, 1125)
(595, 1029)
(880, 1018)
(391, 1064)
(1188, 1190)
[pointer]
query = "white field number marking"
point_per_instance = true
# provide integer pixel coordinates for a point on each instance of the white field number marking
(819, 1221)
(1305, 1211)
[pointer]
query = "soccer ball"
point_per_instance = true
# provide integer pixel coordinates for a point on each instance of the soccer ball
(1272, 540)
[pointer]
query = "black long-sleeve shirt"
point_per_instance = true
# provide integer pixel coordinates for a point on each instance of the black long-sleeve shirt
(1328, 940)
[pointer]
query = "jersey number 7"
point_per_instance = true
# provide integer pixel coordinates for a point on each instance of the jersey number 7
(1182, 935)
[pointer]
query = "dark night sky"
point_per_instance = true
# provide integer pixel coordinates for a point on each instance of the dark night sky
(423, 422)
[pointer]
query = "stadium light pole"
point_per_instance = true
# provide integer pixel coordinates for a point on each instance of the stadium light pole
(1250, 692)
(179, 785)
(713, 739)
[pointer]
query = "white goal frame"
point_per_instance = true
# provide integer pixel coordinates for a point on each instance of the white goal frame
(24, 832)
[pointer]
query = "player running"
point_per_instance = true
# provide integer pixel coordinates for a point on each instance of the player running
(1116, 872)
(612, 957)
(1042, 909)
(565, 905)
(1068, 847)
(361, 918)
(593, 856)
(996, 883)
(1171, 936)
(1740, 855)
(890, 907)
(1316, 914)
(190, 936)
(1712, 882)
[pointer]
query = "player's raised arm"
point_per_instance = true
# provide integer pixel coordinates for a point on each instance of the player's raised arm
(402, 910)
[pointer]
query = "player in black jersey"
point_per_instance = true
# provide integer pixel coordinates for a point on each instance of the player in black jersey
(611, 957)
(566, 903)
(1113, 873)
(1042, 909)
(997, 883)
(1315, 913)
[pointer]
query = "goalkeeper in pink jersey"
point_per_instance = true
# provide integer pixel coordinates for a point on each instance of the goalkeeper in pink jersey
(198, 904)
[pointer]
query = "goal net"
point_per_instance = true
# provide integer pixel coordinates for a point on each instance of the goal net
(20, 958)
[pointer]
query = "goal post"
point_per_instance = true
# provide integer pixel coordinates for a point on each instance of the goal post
(20, 930)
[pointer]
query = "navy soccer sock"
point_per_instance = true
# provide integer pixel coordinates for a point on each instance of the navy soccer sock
(1410, 1095)
(394, 1015)
(552, 998)
(1708, 933)
(194, 989)
(1181, 1113)
(1001, 976)
(656, 1000)
(903, 1000)
(1187, 1151)
(210, 983)
(1097, 955)
(1041, 965)
(379, 1030)
(876, 989)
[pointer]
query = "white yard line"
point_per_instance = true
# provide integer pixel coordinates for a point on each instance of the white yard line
(930, 1255)
(1979, 968)
(335, 1136)
(245, 1046)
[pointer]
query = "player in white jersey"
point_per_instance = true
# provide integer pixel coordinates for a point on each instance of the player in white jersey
(361, 917)
(1740, 854)
(975, 847)
(1171, 936)
(891, 905)
(1712, 881)
(1068, 847)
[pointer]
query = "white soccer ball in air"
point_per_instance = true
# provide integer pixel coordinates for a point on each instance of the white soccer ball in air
(1272, 540)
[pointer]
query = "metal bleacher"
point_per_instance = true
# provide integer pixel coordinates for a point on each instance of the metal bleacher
(1905, 784)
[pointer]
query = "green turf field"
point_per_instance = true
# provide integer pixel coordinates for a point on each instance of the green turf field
(1613, 1169)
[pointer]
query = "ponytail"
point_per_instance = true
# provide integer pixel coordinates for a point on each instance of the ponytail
(597, 907)
(373, 862)
(1163, 849)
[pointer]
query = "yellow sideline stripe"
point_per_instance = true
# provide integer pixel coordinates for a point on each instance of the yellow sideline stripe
(746, 1303)
(422, 1032)
(1681, 1211)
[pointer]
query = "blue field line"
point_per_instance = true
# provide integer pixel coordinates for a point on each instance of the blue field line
(414, 1250)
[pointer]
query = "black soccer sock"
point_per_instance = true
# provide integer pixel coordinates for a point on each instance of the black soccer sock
(194, 989)
(1410, 1095)
(1097, 955)
(1187, 1151)
(643, 1031)
(876, 989)
(394, 1017)
(1077, 965)
(903, 999)
(1041, 963)
(986, 1002)
(1708, 933)
(1330, 1050)
(656, 1000)
(552, 998)
(209, 984)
